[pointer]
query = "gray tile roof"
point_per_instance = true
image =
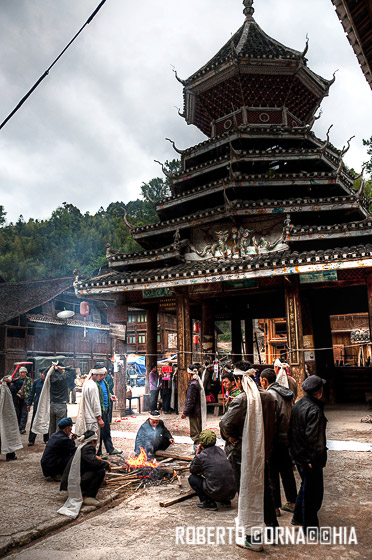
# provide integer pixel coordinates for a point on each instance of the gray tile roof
(20, 297)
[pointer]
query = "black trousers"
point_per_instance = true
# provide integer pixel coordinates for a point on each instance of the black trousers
(22, 413)
(91, 481)
(166, 398)
(310, 496)
(31, 435)
(196, 483)
(154, 393)
(105, 434)
(281, 467)
(269, 509)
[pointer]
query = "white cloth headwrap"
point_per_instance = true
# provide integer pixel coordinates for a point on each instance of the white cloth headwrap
(282, 377)
(72, 505)
(251, 495)
(40, 424)
(9, 430)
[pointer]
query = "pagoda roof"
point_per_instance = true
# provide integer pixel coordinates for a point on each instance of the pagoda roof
(218, 270)
(341, 231)
(251, 42)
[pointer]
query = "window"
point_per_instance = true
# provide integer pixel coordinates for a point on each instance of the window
(158, 338)
(84, 367)
(142, 338)
(101, 337)
(142, 318)
(131, 318)
(131, 339)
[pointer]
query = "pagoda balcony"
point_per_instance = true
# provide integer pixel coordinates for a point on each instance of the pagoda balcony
(256, 156)
(254, 133)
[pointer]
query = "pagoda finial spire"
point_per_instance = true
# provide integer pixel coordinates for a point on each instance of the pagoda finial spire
(248, 8)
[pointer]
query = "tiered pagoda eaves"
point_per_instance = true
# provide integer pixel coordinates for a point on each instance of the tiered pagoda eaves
(256, 210)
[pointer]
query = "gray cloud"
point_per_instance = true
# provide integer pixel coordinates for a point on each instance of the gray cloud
(90, 132)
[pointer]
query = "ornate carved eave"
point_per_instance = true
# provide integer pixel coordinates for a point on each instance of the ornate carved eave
(271, 264)
(358, 30)
(168, 253)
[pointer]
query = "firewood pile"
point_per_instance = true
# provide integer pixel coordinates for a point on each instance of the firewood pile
(138, 472)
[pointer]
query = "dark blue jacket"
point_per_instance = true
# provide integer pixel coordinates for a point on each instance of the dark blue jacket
(57, 453)
(152, 440)
(35, 392)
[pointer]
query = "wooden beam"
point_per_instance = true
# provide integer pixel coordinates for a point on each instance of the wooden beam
(181, 498)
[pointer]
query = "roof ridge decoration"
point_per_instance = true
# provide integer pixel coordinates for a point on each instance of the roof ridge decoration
(248, 8)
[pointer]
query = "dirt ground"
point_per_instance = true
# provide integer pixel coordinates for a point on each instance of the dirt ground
(138, 527)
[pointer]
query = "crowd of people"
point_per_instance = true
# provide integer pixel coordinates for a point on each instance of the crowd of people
(266, 429)
(267, 433)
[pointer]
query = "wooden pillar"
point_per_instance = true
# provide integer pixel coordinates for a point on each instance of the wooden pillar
(236, 337)
(369, 294)
(208, 348)
(151, 347)
(308, 336)
(248, 334)
(184, 346)
(294, 331)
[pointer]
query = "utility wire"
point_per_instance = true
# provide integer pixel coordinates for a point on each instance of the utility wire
(51, 66)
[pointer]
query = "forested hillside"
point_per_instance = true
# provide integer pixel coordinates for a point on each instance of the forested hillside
(36, 249)
(51, 248)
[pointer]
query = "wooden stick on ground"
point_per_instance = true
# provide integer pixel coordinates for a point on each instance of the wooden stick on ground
(173, 455)
(181, 498)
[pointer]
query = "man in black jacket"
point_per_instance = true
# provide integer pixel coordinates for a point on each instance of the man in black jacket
(307, 444)
(211, 476)
(59, 449)
(153, 435)
(280, 461)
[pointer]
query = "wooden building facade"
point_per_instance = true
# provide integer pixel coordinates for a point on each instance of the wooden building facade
(29, 325)
(166, 338)
(263, 221)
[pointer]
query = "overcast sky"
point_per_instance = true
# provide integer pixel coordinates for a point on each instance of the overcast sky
(89, 134)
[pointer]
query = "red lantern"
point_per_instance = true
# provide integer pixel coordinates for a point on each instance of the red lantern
(196, 339)
(196, 327)
(84, 308)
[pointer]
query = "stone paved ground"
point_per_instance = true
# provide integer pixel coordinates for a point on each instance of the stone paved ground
(138, 527)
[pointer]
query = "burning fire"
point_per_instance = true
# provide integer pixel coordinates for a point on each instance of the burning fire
(141, 461)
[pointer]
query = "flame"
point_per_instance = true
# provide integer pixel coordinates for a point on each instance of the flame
(141, 461)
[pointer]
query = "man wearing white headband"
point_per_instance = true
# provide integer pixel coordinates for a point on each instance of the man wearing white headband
(195, 405)
(283, 378)
(89, 415)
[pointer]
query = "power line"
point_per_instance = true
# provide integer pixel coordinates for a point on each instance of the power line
(51, 66)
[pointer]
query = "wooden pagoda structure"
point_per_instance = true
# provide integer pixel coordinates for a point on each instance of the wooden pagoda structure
(263, 220)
